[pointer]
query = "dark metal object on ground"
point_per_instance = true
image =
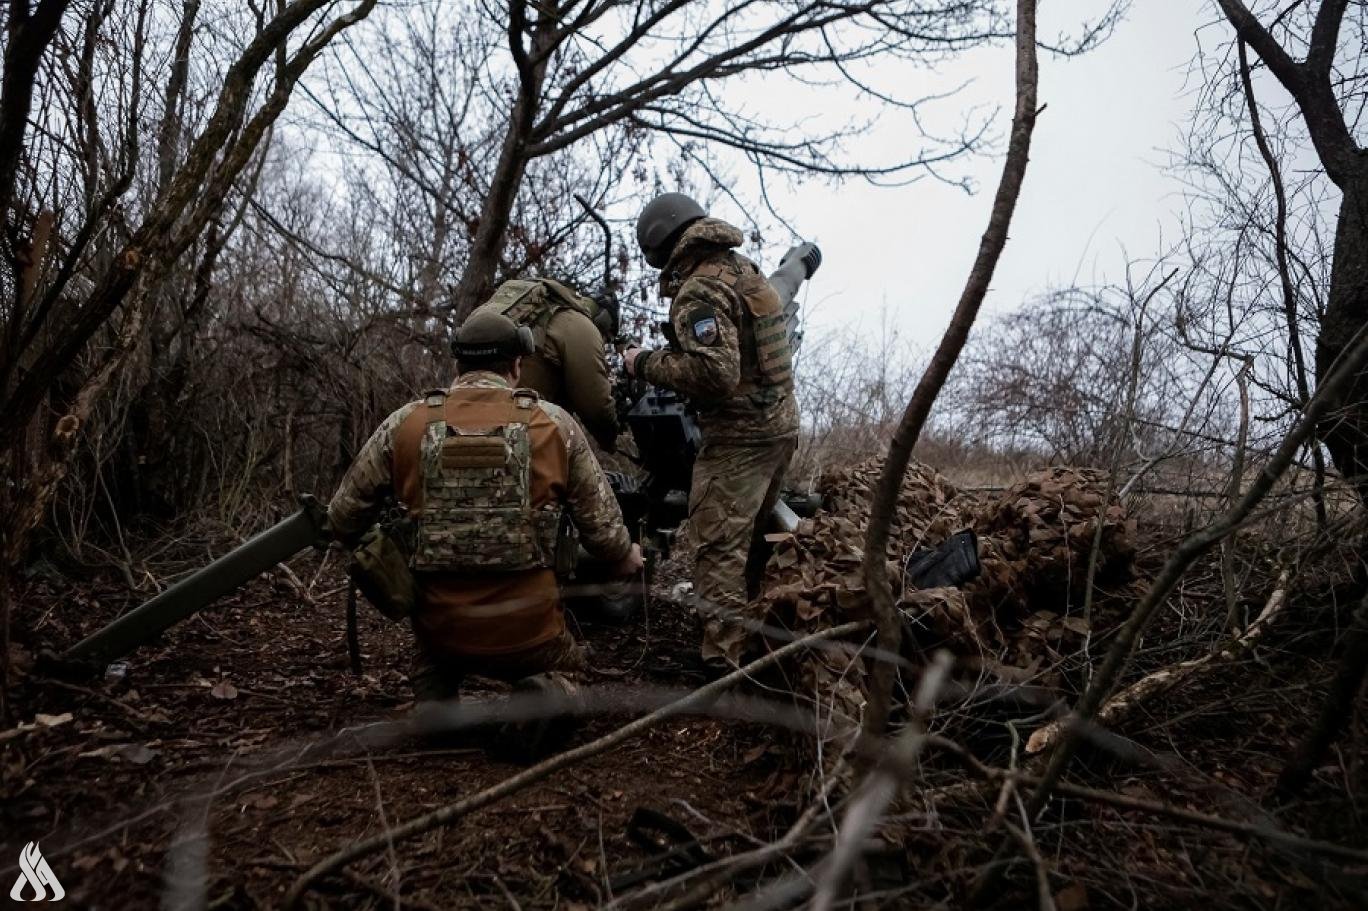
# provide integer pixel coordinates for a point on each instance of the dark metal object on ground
(952, 564)
(680, 850)
(306, 528)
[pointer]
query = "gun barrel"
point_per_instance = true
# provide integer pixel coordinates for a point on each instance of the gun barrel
(197, 591)
(788, 278)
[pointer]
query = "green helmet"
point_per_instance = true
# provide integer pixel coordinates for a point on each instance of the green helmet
(660, 223)
(488, 336)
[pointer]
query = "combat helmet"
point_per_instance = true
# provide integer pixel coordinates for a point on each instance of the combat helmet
(489, 337)
(660, 222)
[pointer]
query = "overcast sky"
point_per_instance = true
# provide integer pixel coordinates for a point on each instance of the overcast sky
(1098, 179)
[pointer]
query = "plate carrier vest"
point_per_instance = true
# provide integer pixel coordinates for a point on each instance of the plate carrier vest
(766, 355)
(477, 513)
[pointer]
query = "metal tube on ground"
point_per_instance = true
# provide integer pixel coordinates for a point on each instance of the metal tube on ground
(192, 594)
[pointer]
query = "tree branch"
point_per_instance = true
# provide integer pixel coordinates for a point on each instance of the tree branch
(884, 497)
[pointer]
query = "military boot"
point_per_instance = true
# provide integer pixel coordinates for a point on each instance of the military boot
(543, 725)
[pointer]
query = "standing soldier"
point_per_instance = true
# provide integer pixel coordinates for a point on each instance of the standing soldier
(730, 354)
(568, 366)
(487, 473)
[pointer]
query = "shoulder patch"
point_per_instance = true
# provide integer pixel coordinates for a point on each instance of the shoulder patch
(702, 324)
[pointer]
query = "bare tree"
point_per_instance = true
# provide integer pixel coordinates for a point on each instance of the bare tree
(576, 68)
(1323, 91)
(81, 266)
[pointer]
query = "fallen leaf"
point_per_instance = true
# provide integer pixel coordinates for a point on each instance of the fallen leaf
(1077, 625)
(101, 753)
(260, 801)
(1040, 738)
(1073, 897)
(224, 690)
(87, 862)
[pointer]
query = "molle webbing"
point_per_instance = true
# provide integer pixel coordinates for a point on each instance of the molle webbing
(766, 356)
(524, 302)
(475, 512)
(533, 302)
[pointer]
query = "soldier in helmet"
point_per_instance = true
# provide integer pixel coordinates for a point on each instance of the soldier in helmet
(730, 353)
(488, 472)
(568, 366)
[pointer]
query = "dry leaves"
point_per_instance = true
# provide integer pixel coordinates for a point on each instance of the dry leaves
(1035, 540)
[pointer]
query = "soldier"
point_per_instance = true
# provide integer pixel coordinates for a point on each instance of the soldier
(729, 353)
(568, 367)
(488, 472)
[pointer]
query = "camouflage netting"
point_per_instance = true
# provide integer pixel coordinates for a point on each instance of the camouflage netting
(1034, 543)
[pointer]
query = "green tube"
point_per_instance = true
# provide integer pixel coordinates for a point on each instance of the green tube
(306, 528)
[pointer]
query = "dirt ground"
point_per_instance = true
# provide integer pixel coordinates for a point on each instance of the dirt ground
(228, 753)
(210, 743)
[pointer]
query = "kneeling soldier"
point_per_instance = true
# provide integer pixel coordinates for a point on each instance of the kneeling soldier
(488, 474)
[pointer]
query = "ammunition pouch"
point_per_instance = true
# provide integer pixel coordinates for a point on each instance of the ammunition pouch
(566, 558)
(477, 514)
(766, 354)
(379, 567)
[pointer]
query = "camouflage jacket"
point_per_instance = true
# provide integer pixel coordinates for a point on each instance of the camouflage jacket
(727, 351)
(370, 481)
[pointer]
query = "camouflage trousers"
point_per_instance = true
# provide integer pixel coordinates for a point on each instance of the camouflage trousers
(438, 678)
(734, 489)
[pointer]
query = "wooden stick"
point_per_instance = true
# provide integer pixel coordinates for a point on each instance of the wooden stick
(1155, 807)
(1165, 679)
(883, 497)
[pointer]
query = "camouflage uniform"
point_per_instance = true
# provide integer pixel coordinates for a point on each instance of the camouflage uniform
(496, 623)
(569, 367)
(730, 355)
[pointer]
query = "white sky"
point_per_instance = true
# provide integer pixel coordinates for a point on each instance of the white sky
(1097, 180)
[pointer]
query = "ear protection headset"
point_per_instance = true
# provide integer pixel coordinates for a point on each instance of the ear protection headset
(474, 343)
(526, 344)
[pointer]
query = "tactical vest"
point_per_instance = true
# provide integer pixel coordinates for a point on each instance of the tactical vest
(476, 513)
(766, 355)
(533, 302)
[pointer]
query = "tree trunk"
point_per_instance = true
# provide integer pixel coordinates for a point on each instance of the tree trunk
(477, 281)
(1345, 429)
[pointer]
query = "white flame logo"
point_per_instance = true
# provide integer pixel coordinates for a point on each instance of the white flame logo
(34, 870)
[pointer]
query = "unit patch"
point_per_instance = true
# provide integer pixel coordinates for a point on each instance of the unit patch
(703, 324)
